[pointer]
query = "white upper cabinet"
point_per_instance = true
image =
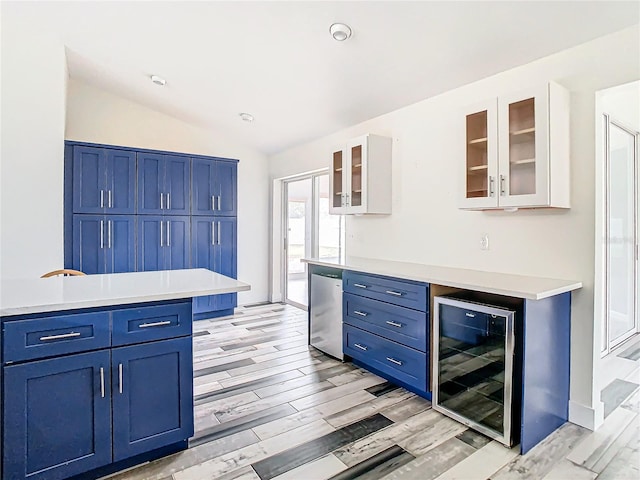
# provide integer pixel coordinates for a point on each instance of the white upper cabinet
(517, 151)
(361, 176)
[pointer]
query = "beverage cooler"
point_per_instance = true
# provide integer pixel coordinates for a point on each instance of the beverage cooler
(474, 352)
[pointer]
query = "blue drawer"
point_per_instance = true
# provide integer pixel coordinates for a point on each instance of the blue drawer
(55, 335)
(465, 325)
(398, 292)
(400, 324)
(402, 363)
(146, 324)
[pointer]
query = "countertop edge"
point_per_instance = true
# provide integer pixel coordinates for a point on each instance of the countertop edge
(528, 295)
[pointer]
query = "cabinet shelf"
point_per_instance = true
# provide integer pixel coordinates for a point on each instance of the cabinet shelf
(357, 165)
(338, 193)
(478, 167)
(524, 131)
(337, 169)
(525, 161)
(477, 141)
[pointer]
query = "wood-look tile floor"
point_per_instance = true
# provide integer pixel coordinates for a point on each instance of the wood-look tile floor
(267, 407)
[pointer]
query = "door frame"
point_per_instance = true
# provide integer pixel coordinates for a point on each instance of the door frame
(607, 122)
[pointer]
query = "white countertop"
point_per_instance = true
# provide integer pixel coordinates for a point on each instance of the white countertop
(38, 295)
(520, 286)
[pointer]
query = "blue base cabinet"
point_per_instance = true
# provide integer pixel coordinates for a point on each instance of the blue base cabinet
(57, 417)
(67, 411)
(129, 210)
(386, 328)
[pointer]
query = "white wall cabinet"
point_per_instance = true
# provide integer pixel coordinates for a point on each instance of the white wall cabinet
(361, 176)
(517, 151)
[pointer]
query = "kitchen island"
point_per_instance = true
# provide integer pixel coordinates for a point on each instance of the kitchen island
(390, 327)
(97, 370)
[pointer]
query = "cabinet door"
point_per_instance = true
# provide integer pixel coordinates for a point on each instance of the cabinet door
(176, 185)
(225, 261)
(89, 180)
(203, 198)
(356, 178)
(203, 255)
(151, 241)
(480, 175)
(120, 239)
(152, 396)
(524, 148)
(89, 253)
(121, 182)
(178, 245)
(151, 172)
(337, 181)
(57, 417)
(225, 187)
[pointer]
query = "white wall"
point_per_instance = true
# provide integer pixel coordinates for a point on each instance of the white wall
(97, 116)
(426, 227)
(31, 155)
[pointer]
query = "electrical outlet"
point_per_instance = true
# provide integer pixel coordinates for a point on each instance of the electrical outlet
(484, 242)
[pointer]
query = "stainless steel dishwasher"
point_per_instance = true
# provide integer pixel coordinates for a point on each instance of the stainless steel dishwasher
(325, 331)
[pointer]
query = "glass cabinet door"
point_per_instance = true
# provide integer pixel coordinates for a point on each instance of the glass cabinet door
(355, 193)
(337, 180)
(524, 149)
(480, 156)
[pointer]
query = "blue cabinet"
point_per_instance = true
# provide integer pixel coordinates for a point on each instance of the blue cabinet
(104, 243)
(103, 180)
(213, 246)
(57, 417)
(214, 187)
(163, 242)
(163, 184)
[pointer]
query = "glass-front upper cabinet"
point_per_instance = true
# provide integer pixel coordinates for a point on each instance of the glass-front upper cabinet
(526, 148)
(361, 176)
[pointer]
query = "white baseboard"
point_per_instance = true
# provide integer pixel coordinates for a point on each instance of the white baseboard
(586, 417)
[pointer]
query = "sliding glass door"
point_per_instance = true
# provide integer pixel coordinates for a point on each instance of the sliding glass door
(621, 144)
(309, 232)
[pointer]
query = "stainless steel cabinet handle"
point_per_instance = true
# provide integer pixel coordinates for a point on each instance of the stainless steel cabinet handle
(502, 190)
(492, 182)
(162, 201)
(101, 233)
(109, 223)
(101, 198)
(213, 202)
(120, 378)
(393, 360)
(154, 324)
(359, 285)
(213, 233)
(218, 242)
(102, 382)
(391, 292)
(394, 324)
(357, 345)
(219, 204)
(61, 336)
(161, 233)
(110, 200)
(358, 312)
(472, 315)
(168, 233)
(169, 201)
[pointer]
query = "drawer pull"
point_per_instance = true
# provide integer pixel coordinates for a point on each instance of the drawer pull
(61, 336)
(154, 324)
(391, 292)
(358, 312)
(394, 324)
(393, 360)
(472, 315)
(359, 285)
(357, 345)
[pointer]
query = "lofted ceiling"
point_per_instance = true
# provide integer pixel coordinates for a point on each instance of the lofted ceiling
(277, 61)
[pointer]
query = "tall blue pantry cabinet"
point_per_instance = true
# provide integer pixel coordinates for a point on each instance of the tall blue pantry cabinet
(130, 210)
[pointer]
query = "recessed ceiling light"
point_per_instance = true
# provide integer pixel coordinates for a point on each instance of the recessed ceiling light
(158, 80)
(340, 31)
(247, 117)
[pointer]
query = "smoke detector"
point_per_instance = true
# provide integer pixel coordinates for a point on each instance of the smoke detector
(340, 31)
